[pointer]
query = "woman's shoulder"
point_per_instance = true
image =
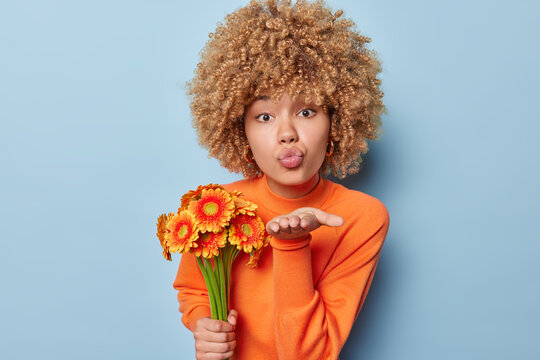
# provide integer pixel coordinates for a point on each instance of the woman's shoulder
(356, 205)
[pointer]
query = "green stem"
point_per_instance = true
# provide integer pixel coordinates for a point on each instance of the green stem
(213, 285)
(222, 288)
(231, 252)
(218, 280)
(211, 297)
(228, 266)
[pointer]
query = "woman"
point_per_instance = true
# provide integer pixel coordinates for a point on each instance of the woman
(284, 93)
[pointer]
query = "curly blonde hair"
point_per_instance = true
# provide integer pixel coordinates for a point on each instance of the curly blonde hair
(269, 47)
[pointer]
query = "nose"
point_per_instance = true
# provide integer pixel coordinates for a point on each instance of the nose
(287, 132)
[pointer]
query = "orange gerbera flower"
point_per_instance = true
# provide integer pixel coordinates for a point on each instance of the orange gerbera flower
(161, 231)
(243, 206)
(255, 256)
(182, 232)
(213, 210)
(247, 232)
(210, 243)
(195, 195)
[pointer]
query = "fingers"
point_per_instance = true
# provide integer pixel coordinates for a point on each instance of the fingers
(199, 355)
(214, 350)
(272, 227)
(309, 221)
(282, 225)
(285, 225)
(300, 222)
(209, 356)
(327, 219)
(215, 339)
(216, 326)
(233, 315)
(294, 222)
(289, 223)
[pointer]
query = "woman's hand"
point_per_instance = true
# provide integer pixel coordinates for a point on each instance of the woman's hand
(301, 222)
(215, 339)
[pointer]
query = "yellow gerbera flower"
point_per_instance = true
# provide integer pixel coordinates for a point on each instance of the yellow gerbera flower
(181, 232)
(196, 195)
(213, 210)
(247, 232)
(161, 231)
(209, 244)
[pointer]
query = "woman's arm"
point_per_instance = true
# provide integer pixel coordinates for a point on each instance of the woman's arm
(314, 322)
(192, 292)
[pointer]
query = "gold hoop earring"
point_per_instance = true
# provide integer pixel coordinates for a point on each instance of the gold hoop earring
(331, 150)
(247, 157)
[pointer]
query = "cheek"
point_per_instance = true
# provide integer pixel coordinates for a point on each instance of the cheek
(319, 137)
(257, 140)
(250, 136)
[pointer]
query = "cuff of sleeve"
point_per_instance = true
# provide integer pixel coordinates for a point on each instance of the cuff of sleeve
(198, 313)
(290, 245)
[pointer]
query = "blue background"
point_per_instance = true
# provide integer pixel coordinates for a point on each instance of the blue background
(96, 141)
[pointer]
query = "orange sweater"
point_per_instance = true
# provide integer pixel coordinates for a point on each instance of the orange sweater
(302, 299)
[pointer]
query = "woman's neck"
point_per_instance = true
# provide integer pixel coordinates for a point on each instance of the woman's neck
(293, 191)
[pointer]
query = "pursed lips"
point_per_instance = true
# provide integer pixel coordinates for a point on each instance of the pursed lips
(291, 157)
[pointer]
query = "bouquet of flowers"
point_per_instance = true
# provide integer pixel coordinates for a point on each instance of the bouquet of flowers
(214, 225)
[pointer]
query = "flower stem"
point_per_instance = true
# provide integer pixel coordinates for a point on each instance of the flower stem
(227, 271)
(215, 291)
(222, 289)
(211, 297)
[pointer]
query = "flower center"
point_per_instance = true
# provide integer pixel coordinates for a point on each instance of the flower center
(210, 208)
(205, 237)
(246, 229)
(182, 232)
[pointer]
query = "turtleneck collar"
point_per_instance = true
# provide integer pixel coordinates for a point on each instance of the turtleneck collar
(279, 205)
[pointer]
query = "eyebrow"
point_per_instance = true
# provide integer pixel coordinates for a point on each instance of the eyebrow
(263, 97)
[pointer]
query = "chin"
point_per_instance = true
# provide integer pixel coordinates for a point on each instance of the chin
(295, 177)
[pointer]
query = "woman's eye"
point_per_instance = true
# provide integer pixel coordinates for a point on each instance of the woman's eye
(307, 113)
(264, 117)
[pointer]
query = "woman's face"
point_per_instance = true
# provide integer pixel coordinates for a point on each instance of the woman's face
(288, 140)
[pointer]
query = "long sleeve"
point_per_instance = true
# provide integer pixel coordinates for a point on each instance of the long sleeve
(192, 292)
(313, 321)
